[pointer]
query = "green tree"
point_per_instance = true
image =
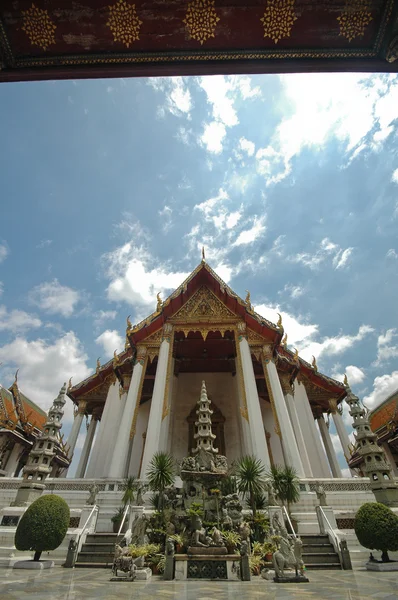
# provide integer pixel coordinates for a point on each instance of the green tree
(285, 483)
(43, 526)
(376, 527)
(250, 473)
(130, 487)
(160, 474)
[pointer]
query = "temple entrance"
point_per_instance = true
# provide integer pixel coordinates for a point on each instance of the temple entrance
(217, 420)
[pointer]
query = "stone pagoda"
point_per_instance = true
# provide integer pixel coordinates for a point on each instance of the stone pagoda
(375, 464)
(39, 464)
(204, 436)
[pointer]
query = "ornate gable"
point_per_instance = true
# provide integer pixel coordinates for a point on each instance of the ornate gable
(204, 306)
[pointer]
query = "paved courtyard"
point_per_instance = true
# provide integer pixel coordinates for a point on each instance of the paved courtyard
(87, 584)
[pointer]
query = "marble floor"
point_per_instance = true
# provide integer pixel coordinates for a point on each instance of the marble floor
(93, 584)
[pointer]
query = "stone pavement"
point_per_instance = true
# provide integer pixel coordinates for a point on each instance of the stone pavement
(94, 584)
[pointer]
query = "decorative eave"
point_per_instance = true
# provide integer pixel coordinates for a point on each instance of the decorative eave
(204, 275)
(385, 413)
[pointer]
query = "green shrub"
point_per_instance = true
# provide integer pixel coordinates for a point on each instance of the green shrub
(43, 526)
(376, 527)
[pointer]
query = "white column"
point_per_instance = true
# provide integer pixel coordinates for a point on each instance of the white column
(118, 463)
(13, 460)
(254, 416)
(157, 413)
(318, 460)
(114, 423)
(289, 445)
(98, 455)
(390, 458)
(327, 442)
(77, 423)
(341, 430)
(88, 442)
(291, 408)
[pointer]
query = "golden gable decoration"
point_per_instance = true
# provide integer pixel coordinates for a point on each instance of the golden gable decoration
(204, 306)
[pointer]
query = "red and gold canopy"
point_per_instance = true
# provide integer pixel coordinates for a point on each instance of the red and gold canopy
(55, 39)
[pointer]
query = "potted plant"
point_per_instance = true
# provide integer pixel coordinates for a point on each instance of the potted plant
(268, 549)
(43, 526)
(231, 539)
(117, 519)
(144, 551)
(376, 527)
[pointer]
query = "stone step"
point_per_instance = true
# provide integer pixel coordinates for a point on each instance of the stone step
(94, 548)
(92, 565)
(99, 557)
(314, 539)
(309, 559)
(318, 548)
(327, 566)
(102, 538)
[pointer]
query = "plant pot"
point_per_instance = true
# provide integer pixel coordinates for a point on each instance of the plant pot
(268, 557)
(116, 526)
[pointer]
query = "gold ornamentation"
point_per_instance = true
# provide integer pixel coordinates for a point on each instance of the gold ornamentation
(254, 339)
(141, 355)
(346, 381)
(69, 385)
(98, 366)
(285, 384)
(159, 302)
(279, 323)
(267, 353)
(154, 338)
(243, 409)
(201, 20)
(284, 341)
(167, 332)
(121, 391)
(129, 325)
(153, 351)
(124, 22)
(278, 19)
(115, 358)
(296, 355)
(314, 365)
(333, 406)
(271, 396)
(38, 27)
(82, 407)
(137, 404)
(354, 18)
(203, 254)
(247, 300)
(202, 306)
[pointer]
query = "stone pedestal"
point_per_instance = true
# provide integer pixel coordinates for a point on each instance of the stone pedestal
(28, 493)
(143, 574)
(211, 551)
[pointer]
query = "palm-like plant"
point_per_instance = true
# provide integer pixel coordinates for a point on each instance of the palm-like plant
(285, 483)
(130, 487)
(250, 473)
(160, 474)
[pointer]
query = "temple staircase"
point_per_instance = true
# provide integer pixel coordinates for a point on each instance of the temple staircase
(98, 551)
(318, 552)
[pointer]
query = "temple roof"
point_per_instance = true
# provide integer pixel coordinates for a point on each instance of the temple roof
(118, 38)
(200, 308)
(17, 411)
(385, 413)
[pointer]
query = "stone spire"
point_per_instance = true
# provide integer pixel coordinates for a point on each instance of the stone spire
(204, 436)
(375, 464)
(41, 456)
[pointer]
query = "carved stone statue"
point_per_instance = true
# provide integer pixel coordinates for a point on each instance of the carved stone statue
(271, 495)
(277, 525)
(170, 547)
(244, 532)
(234, 508)
(199, 537)
(226, 519)
(288, 555)
(188, 464)
(320, 494)
(217, 539)
(220, 463)
(93, 491)
(138, 529)
(141, 489)
(122, 561)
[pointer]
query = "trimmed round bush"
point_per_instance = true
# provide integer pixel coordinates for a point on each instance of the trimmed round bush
(376, 527)
(43, 526)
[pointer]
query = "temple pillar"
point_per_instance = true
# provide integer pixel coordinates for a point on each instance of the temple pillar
(282, 420)
(117, 466)
(318, 461)
(88, 442)
(160, 399)
(328, 444)
(113, 425)
(13, 460)
(390, 458)
(252, 411)
(291, 408)
(74, 432)
(98, 455)
(341, 431)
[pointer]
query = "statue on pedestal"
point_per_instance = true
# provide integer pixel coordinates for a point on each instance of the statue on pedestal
(138, 529)
(93, 491)
(320, 494)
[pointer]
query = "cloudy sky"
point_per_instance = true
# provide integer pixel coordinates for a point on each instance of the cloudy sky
(111, 187)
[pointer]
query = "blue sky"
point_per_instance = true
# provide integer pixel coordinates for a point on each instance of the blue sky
(110, 188)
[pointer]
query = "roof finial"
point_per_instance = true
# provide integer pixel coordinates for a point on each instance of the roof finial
(115, 358)
(296, 356)
(70, 384)
(98, 365)
(16, 378)
(160, 303)
(279, 323)
(247, 299)
(129, 324)
(314, 365)
(203, 254)
(347, 385)
(284, 341)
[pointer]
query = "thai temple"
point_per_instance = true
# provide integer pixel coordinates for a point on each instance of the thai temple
(267, 401)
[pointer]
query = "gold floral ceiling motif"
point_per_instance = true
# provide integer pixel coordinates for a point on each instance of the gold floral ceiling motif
(278, 19)
(38, 27)
(201, 20)
(124, 22)
(355, 17)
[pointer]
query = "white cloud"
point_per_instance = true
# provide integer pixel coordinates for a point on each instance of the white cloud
(394, 177)
(232, 219)
(213, 136)
(354, 374)
(44, 367)
(17, 320)
(248, 236)
(218, 90)
(55, 298)
(208, 206)
(165, 216)
(383, 386)
(335, 345)
(101, 317)
(177, 95)
(386, 350)
(326, 250)
(3, 252)
(272, 164)
(44, 243)
(247, 146)
(392, 253)
(110, 340)
(294, 291)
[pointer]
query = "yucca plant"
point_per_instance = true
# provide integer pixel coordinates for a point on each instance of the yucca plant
(160, 474)
(285, 483)
(129, 487)
(250, 473)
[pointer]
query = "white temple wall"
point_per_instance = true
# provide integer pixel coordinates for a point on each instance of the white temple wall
(269, 426)
(138, 442)
(113, 430)
(165, 428)
(221, 389)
